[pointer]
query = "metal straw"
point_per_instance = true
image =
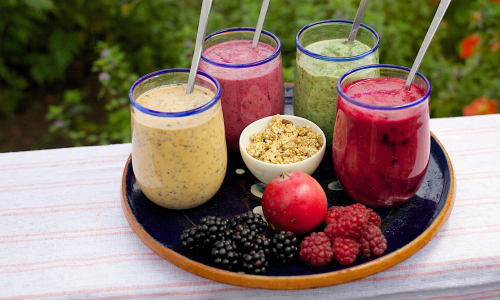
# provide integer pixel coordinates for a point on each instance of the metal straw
(357, 22)
(260, 23)
(427, 40)
(202, 30)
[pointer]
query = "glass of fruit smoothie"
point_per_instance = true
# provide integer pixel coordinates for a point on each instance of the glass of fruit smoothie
(179, 153)
(322, 57)
(381, 143)
(251, 78)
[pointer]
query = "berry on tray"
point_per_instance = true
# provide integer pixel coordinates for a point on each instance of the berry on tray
(345, 250)
(284, 246)
(377, 241)
(225, 255)
(353, 230)
(354, 223)
(210, 230)
(333, 213)
(316, 249)
(254, 262)
(262, 243)
(188, 239)
(243, 236)
(252, 220)
(364, 247)
(373, 218)
(350, 223)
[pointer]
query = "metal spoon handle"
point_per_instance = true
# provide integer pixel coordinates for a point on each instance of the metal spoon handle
(260, 22)
(357, 21)
(202, 30)
(427, 40)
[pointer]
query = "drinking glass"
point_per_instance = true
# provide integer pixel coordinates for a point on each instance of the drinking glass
(250, 90)
(316, 75)
(179, 158)
(381, 152)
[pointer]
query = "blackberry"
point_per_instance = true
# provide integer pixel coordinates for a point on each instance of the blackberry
(210, 230)
(188, 239)
(248, 240)
(254, 262)
(284, 246)
(250, 219)
(262, 242)
(244, 237)
(225, 255)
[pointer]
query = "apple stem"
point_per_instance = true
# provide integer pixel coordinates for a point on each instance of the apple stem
(285, 175)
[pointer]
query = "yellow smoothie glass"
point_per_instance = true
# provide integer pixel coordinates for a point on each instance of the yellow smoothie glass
(179, 154)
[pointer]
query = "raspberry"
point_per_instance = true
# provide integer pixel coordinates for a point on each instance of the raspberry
(334, 230)
(354, 222)
(351, 223)
(316, 249)
(333, 214)
(357, 207)
(373, 218)
(345, 250)
(364, 247)
(354, 230)
(377, 241)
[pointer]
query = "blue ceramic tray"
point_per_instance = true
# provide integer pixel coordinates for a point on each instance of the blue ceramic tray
(408, 227)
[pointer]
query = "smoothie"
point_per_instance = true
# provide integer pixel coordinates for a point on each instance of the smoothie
(381, 156)
(315, 93)
(248, 93)
(179, 162)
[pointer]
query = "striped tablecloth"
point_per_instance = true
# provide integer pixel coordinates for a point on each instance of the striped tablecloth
(63, 234)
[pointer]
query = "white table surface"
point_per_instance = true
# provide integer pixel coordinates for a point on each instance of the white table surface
(63, 234)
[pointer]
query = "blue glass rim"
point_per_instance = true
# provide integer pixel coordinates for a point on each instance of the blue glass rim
(247, 65)
(383, 107)
(185, 113)
(335, 58)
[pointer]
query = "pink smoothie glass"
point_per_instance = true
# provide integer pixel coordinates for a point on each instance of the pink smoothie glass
(251, 89)
(381, 152)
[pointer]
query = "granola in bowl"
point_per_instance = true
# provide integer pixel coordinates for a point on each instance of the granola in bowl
(284, 143)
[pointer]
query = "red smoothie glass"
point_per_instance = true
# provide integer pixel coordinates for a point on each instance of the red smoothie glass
(251, 79)
(381, 140)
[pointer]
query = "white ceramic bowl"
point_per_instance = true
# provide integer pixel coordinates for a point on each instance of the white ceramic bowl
(266, 172)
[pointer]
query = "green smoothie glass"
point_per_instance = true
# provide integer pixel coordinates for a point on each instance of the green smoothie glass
(322, 58)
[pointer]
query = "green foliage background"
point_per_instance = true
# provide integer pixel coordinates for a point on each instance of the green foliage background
(42, 40)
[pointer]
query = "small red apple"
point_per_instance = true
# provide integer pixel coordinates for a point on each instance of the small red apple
(294, 201)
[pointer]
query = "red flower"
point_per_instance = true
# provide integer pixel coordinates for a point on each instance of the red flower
(468, 45)
(495, 1)
(481, 106)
